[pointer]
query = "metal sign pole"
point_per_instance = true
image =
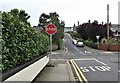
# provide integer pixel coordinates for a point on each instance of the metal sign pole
(50, 44)
(51, 30)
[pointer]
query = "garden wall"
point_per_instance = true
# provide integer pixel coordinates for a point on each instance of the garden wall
(30, 72)
(112, 47)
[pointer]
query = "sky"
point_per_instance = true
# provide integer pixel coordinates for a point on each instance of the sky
(70, 11)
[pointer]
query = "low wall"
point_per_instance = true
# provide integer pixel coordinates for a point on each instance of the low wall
(114, 47)
(30, 72)
(107, 47)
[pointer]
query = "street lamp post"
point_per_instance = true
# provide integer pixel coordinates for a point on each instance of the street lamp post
(108, 27)
(98, 40)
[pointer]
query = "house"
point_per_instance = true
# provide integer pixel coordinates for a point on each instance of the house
(115, 28)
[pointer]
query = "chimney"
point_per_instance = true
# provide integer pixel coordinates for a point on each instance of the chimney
(89, 21)
(102, 23)
(78, 23)
(74, 27)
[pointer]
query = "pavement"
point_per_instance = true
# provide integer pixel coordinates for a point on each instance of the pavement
(56, 70)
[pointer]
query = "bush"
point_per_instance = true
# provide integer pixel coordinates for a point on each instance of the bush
(74, 35)
(20, 42)
(90, 44)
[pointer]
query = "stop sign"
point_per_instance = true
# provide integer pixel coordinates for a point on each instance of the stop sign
(51, 29)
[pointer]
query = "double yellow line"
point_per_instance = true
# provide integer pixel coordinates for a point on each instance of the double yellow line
(78, 72)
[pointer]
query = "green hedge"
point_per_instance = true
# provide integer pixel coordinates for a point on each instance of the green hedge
(86, 42)
(90, 44)
(20, 43)
(74, 35)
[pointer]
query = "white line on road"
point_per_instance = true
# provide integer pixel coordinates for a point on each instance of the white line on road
(106, 52)
(79, 51)
(66, 50)
(100, 62)
(87, 51)
(82, 53)
(92, 59)
(58, 59)
(76, 48)
(85, 59)
(118, 71)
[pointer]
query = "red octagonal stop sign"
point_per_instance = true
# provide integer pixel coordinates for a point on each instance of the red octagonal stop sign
(51, 29)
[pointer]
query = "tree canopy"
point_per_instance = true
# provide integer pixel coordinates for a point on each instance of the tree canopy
(89, 31)
(53, 18)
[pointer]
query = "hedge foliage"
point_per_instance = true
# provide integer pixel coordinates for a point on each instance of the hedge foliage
(90, 44)
(20, 43)
(74, 35)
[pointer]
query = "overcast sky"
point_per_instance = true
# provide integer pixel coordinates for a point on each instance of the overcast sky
(71, 11)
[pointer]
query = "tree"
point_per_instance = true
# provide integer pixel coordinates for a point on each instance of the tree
(21, 14)
(53, 18)
(43, 20)
(90, 30)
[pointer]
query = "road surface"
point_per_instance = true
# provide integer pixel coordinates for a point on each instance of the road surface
(88, 65)
(92, 66)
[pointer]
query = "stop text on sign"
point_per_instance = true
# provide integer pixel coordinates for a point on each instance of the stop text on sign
(51, 29)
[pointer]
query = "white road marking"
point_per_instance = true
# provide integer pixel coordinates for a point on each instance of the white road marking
(57, 59)
(85, 59)
(106, 52)
(91, 67)
(102, 68)
(76, 48)
(92, 59)
(82, 53)
(87, 51)
(118, 71)
(95, 68)
(100, 62)
(79, 51)
(66, 50)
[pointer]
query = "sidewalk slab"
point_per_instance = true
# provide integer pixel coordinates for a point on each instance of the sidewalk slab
(60, 72)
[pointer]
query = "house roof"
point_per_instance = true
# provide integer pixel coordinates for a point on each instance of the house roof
(115, 27)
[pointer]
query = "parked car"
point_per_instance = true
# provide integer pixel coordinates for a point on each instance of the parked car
(74, 41)
(80, 44)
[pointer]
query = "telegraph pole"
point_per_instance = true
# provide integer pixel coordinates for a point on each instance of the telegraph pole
(108, 27)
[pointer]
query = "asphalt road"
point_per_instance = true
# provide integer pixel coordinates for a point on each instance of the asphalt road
(90, 65)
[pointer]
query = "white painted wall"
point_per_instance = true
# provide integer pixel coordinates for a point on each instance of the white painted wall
(30, 72)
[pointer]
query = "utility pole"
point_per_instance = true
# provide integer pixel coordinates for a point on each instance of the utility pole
(108, 27)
